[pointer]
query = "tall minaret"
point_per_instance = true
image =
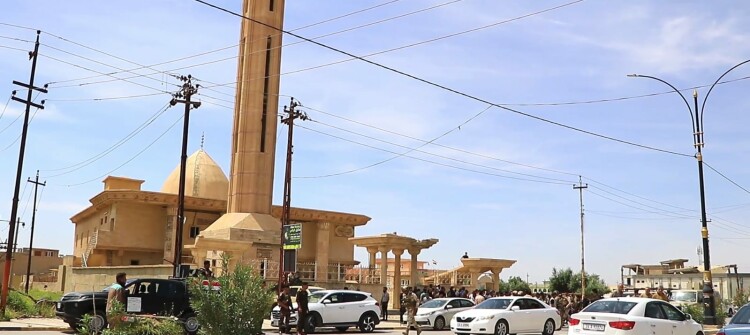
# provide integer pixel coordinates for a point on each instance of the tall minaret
(256, 108)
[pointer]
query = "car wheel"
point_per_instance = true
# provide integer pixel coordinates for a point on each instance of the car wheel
(342, 329)
(97, 323)
(191, 324)
(439, 323)
(549, 327)
(309, 324)
(501, 328)
(367, 323)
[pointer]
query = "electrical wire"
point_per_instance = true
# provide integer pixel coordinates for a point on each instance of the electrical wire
(440, 156)
(129, 136)
(437, 144)
(274, 48)
(19, 136)
(5, 108)
(401, 154)
(228, 47)
(433, 162)
(725, 177)
(107, 98)
(26, 206)
(452, 90)
(131, 158)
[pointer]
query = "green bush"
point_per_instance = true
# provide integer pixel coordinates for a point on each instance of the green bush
(238, 308)
(22, 305)
(696, 311)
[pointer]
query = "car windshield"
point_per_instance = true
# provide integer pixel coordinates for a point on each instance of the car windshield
(316, 297)
(495, 304)
(742, 317)
(434, 304)
(610, 306)
(685, 296)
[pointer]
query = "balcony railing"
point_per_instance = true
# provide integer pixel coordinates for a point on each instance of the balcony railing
(307, 271)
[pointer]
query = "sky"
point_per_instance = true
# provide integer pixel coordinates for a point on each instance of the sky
(420, 160)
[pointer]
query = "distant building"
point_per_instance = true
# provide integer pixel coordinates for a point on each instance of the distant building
(675, 275)
(44, 262)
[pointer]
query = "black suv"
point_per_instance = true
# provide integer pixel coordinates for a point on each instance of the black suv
(143, 296)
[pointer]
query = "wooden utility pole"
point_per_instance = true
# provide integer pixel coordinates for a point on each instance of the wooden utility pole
(33, 221)
(187, 92)
(33, 56)
(288, 119)
(580, 187)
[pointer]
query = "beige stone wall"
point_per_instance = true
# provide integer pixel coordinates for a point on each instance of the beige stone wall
(137, 225)
(39, 264)
(97, 278)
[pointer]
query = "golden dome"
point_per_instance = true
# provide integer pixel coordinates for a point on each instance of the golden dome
(203, 178)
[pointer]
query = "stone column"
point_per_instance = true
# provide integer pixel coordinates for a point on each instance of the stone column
(383, 265)
(496, 280)
(397, 268)
(413, 270)
(373, 252)
(474, 273)
(321, 252)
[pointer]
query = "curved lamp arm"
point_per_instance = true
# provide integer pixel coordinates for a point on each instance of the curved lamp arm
(703, 107)
(692, 118)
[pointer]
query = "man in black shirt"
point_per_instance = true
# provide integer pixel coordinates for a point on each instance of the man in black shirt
(302, 309)
(285, 308)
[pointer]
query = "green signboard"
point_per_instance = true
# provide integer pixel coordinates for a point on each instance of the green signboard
(292, 236)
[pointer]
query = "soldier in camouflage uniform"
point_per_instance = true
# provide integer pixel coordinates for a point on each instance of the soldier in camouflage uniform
(411, 302)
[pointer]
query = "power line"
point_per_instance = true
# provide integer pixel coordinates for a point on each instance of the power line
(403, 153)
(107, 98)
(258, 51)
(725, 177)
(19, 136)
(129, 136)
(228, 47)
(438, 163)
(438, 144)
(131, 158)
(5, 108)
(679, 216)
(455, 91)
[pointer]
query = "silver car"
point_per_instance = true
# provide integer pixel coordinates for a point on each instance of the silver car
(437, 313)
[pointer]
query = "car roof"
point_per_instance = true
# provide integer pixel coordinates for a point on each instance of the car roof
(345, 291)
(629, 299)
(309, 287)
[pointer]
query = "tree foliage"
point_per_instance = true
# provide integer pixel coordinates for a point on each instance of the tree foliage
(238, 308)
(566, 281)
(517, 284)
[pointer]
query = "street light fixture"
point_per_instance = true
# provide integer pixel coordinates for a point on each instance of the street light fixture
(696, 117)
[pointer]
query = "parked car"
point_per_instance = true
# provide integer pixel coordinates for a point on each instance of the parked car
(632, 316)
(437, 313)
(508, 315)
(740, 323)
(336, 308)
(144, 296)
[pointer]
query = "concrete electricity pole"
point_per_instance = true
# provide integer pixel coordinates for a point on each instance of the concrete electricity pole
(33, 220)
(288, 119)
(580, 187)
(14, 207)
(187, 92)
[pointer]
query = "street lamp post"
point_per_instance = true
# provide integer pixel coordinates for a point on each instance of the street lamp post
(696, 115)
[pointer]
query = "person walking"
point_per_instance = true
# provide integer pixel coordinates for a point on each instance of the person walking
(285, 310)
(410, 302)
(401, 306)
(115, 295)
(302, 308)
(384, 300)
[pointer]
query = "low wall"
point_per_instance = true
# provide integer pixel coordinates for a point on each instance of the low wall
(77, 279)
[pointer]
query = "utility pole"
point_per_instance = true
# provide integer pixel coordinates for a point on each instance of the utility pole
(33, 56)
(580, 187)
(187, 92)
(288, 119)
(33, 220)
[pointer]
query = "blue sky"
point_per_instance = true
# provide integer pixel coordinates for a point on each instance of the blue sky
(642, 205)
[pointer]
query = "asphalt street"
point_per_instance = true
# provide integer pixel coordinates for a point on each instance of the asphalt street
(379, 332)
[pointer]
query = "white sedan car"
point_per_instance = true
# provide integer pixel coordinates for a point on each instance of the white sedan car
(632, 316)
(436, 313)
(507, 315)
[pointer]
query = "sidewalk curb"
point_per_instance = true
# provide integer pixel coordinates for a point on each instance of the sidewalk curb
(35, 329)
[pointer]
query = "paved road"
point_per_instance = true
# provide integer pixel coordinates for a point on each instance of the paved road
(395, 332)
